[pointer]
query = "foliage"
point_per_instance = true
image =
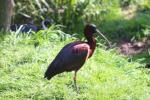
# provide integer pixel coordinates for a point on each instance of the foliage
(105, 76)
(108, 15)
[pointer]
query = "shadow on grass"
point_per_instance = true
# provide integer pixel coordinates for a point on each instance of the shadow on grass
(143, 58)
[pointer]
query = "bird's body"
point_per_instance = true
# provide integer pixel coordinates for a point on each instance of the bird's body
(24, 27)
(73, 55)
(70, 58)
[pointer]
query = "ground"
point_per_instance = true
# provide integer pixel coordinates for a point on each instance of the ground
(105, 76)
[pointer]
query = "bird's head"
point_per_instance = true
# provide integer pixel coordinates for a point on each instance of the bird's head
(90, 29)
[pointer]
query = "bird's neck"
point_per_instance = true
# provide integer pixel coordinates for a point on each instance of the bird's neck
(92, 43)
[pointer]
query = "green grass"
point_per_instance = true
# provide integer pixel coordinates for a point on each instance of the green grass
(105, 76)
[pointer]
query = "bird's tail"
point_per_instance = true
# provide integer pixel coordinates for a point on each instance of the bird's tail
(50, 72)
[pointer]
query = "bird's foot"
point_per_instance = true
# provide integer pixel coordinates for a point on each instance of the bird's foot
(75, 87)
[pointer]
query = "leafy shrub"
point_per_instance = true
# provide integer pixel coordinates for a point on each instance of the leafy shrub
(73, 14)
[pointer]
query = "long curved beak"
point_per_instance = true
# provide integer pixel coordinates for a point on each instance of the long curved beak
(103, 37)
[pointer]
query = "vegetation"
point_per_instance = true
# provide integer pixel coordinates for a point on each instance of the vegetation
(117, 18)
(107, 75)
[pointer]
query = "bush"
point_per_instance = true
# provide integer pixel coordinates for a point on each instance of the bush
(73, 14)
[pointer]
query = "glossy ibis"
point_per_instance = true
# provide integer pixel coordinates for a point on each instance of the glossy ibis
(72, 56)
(46, 23)
(24, 28)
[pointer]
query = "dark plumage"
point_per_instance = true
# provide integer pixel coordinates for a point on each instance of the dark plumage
(70, 58)
(46, 23)
(24, 27)
(73, 55)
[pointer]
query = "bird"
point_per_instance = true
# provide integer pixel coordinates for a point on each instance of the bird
(46, 23)
(73, 55)
(25, 27)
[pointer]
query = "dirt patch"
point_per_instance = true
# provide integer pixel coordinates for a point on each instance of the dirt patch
(132, 48)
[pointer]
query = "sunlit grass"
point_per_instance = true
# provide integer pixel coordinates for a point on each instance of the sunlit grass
(106, 76)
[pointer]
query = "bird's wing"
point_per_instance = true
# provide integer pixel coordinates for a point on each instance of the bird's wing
(76, 56)
(71, 57)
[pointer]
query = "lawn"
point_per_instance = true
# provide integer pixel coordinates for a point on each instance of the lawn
(105, 76)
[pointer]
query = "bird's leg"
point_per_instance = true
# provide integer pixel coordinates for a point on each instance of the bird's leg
(74, 78)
